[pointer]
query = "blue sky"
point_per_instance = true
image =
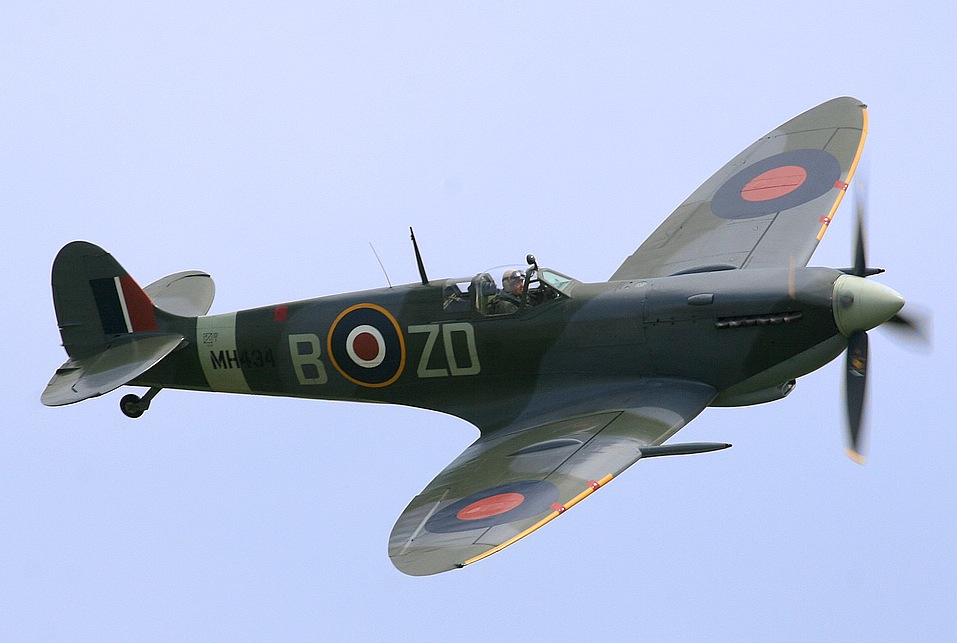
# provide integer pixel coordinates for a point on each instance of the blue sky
(269, 146)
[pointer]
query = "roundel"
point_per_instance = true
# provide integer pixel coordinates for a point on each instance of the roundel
(366, 346)
(496, 506)
(777, 183)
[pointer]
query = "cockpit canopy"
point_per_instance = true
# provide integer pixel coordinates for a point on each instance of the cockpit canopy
(485, 296)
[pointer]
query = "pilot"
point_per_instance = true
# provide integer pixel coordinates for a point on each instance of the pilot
(509, 298)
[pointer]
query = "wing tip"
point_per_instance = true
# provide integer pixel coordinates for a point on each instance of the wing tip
(558, 510)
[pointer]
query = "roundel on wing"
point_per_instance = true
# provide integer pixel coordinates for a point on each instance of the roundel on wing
(777, 183)
(365, 345)
(496, 506)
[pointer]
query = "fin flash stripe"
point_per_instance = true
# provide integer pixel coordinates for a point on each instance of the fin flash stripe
(122, 305)
(137, 306)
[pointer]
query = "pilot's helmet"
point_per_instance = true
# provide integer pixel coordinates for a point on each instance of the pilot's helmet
(511, 279)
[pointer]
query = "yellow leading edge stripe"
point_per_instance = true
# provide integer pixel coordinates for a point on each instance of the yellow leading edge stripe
(544, 521)
(850, 175)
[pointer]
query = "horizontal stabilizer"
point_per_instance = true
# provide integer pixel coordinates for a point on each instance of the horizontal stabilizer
(187, 294)
(686, 448)
(120, 361)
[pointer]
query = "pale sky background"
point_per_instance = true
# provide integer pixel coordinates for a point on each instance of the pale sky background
(269, 146)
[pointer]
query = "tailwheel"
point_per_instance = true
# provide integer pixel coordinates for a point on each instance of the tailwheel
(133, 406)
(130, 405)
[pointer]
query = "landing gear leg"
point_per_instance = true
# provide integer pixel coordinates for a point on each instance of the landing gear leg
(133, 406)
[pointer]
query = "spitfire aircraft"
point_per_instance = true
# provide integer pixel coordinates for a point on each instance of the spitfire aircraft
(569, 383)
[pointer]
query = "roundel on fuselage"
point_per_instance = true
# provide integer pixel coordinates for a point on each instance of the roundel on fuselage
(365, 345)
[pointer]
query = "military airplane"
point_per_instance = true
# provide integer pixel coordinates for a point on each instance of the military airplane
(569, 383)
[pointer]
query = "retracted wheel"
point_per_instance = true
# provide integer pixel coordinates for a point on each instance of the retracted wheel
(132, 406)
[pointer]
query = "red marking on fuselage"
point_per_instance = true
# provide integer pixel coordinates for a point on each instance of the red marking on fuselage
(280, 313)
(840, 185)
(491, 506)
(366, 346)
(774, 183)
(138, 306)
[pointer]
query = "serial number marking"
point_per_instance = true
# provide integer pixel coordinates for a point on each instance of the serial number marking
(245, 359)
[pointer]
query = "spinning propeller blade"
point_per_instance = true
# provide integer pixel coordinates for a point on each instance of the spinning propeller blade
(860, 252)
(911, 326)
(855, 389)
(855, 370)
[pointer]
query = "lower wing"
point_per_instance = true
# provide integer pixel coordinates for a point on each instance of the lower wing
(512, 481)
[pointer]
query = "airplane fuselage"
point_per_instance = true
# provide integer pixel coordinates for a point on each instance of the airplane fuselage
(405, 345)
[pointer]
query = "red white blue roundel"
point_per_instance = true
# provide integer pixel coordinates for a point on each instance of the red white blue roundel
(366, 346)
(777, 183)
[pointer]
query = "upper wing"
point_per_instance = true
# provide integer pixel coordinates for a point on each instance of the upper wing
(512, 481)
(769, 207)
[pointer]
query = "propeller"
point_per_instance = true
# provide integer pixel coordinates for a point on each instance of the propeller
(855, 367)
(912, 326)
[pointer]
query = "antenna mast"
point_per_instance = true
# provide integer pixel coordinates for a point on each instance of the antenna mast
(418, 259)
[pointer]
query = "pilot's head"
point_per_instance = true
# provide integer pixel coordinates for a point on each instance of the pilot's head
(513, 282)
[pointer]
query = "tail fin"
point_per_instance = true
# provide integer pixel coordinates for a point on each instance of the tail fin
(96, 300)
(107, 322)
